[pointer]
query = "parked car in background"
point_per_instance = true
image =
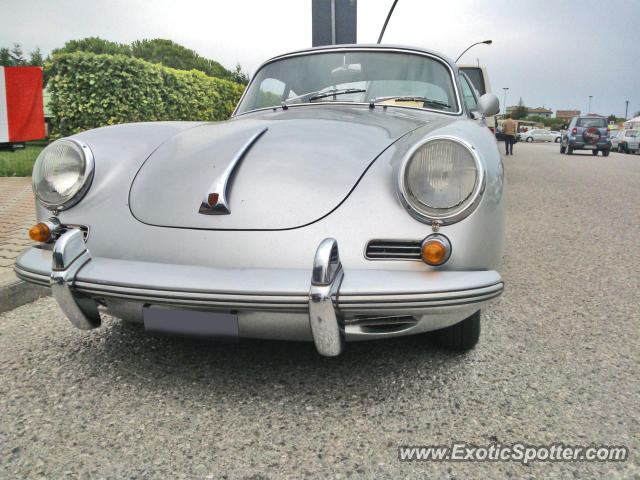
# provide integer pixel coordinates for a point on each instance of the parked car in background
(628, 143)
(586, 133)
(538, 135)
(615, 137)
(355, 193)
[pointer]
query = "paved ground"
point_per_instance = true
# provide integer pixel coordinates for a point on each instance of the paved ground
(17, 215)
(558, 361)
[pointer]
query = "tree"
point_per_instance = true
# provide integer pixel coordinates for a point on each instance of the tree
(36, 59)
(5, 58)
(16, 55)
(95, 45)
(239, 76)
(171, 54)
(520, 111)
(157, 50)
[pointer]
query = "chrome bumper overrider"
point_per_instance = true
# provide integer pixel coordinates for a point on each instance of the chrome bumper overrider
(337, 305)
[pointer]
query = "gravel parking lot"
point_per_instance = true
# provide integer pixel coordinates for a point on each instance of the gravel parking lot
(558, 361)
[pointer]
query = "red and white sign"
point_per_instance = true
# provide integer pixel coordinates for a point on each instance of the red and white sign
(21, 110)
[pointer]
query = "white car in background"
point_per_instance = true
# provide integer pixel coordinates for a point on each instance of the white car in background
(626, 141)
(539, 135)
(629, 142)
(616, 136)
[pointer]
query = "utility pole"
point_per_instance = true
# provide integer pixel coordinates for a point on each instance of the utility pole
(626, 109)
(590, 97)
(505, 98)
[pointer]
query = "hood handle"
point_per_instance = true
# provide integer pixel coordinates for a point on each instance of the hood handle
(215, 200)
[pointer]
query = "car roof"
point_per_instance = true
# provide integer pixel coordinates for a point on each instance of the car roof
(366, 46)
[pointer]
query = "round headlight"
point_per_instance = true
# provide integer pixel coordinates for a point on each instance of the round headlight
(62, 174)
(440, 180)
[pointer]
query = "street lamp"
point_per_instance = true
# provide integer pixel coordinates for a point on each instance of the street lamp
(505, 98)
(590, 97)
(486, 42)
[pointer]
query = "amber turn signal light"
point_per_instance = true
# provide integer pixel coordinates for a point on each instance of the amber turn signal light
(435, 250)
(40, 233)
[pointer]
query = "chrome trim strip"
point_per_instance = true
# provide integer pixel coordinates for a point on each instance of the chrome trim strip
(403, 298)
(70, 254)
(467, 207)
(326, 327)
(32, 277)
(359, 49)
(292, 303)
(413, 308)
(215, 200)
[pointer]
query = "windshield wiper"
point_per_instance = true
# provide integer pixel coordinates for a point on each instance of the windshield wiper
(322, 94)
(400, 98)
(331, 93)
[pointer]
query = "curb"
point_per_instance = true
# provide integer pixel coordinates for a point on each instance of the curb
(15, 292)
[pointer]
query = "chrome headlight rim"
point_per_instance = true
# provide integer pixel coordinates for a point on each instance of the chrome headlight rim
(87, 177)
(465, 208)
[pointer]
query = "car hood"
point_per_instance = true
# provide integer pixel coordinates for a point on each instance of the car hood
(303, 166)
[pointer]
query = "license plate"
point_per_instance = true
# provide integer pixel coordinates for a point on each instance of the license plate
(190, 323)
(590, 147)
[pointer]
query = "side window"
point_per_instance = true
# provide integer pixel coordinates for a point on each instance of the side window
(468, 94)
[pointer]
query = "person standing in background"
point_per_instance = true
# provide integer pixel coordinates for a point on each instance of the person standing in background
(509, 128)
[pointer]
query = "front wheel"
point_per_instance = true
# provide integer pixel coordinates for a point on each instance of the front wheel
(462, 336)
(594, 152)
(605, 153)
(557, 139)
(529, 139)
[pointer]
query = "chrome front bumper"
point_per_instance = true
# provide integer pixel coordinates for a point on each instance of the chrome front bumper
(328, 307)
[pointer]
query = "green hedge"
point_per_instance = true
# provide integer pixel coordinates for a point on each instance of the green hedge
(89, 91)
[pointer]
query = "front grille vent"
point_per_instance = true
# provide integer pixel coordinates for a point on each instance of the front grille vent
(393, 250)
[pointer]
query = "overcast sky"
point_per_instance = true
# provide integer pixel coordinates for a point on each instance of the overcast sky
(552, 53)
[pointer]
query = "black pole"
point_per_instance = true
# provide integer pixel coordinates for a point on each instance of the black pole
(626, 109)
(384, 27)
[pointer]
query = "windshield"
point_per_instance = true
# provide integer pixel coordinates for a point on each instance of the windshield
(592, 122)
(354, 76)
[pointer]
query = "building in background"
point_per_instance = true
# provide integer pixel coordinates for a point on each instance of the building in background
(540, 112)
(567, 115)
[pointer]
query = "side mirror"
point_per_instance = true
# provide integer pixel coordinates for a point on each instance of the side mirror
(488, 105)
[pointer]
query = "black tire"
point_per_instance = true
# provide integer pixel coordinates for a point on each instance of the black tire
(462, 336)
(594, 152)
(605, 153)
(569, 150)
(562, 148)
(529, 139)
(557, 139)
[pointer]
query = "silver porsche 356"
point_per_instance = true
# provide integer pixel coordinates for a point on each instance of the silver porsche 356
(355, 193)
